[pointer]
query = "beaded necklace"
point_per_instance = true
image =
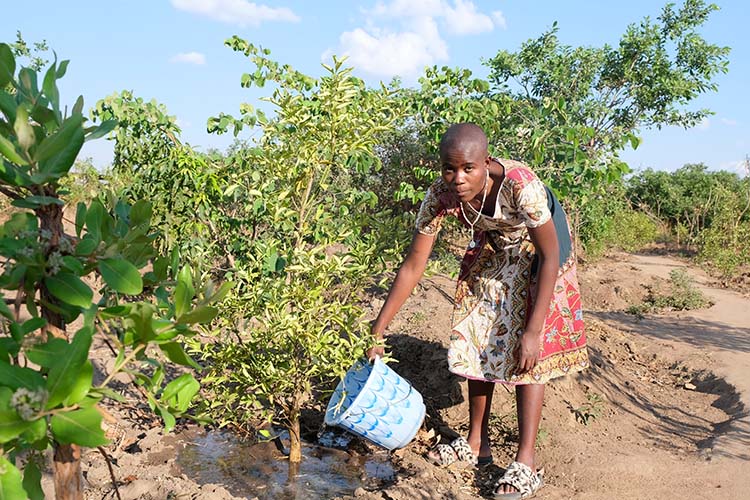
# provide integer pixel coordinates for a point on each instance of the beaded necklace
(473, 243)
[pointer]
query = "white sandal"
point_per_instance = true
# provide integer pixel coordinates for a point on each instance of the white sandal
(523, 479)
(458, 450)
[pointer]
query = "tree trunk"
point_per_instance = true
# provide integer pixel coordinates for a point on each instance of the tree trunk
(67, 457)
(295, 443)
(67, 464)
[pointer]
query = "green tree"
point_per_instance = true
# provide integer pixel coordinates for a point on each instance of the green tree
(307, 250)
(47, 396)
(569, 111)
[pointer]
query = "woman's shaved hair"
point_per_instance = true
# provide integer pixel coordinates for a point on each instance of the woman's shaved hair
(465, 136)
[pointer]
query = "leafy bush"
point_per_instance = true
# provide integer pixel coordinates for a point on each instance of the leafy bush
(683, 296)
(47, 396)
(294, 324)
(607, 222)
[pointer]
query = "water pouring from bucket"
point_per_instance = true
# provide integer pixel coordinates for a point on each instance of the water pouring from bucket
(376, 403)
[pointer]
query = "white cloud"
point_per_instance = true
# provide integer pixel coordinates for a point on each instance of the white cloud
(415, 41)
(729, 121)
(239, 12)
(499, 19)
(464, 19)
(384, 53)
(704, 124)
(189, 57)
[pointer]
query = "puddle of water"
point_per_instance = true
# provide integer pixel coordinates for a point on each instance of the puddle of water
(261, 470)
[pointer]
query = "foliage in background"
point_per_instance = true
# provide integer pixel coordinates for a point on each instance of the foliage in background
(47, 396)
(612, 223)
(84, 183)
(708, 211)
(569, 111)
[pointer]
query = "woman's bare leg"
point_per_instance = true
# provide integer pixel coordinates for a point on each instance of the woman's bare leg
(529, 399)
(480, 405)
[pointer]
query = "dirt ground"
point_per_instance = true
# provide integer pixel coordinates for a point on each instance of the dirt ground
(661, 413)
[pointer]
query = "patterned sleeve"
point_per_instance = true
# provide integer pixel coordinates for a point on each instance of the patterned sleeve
(532, 202)
(431, 214)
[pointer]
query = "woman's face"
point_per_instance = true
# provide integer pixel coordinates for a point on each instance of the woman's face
(464, 170)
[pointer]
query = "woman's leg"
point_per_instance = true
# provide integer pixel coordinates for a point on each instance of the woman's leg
(480, 405)
(529, 399)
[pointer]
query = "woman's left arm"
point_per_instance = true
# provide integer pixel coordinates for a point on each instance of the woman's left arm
(544, 239)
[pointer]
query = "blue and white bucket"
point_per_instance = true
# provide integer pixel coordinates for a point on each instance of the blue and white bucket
(376, 403)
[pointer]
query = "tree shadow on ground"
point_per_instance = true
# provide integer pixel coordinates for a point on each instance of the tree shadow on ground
(424, 364)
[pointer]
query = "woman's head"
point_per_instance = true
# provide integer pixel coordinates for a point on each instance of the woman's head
(464, 159)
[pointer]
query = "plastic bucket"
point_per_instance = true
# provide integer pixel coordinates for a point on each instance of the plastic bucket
(376, 403)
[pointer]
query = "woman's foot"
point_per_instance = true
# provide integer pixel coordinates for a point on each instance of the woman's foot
(460, 450)
(520, 480)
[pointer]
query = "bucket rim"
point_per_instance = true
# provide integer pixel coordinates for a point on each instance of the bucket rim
(342, 416)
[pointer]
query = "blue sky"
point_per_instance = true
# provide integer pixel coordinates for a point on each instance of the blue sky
(172, 50)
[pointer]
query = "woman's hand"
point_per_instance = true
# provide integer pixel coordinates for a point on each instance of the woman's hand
(528, 351)
(376, 350)
(379, 348)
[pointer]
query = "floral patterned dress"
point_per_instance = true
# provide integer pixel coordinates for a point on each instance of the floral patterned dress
(496, 285)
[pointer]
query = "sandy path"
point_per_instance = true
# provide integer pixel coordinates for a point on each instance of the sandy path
(720, 334)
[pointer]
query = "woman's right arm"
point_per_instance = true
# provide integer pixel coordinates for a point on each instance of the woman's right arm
(408, 276)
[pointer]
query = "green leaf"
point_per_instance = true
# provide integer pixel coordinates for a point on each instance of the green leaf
(64, 374)
(24, 130)
(7, 105)
(72, 264)
(95, 220)
(46, 354)
(7, 65)
(80, 217)
(82, 427)
(5, 311)
(8, 150)
(201, 314)
(14, 377)
(82, 385)
(140, 213)
(108, 393)
(11, 425)
(34, 202)
(179, 392)
(11, 484)
(184, 291)
(105, 128)
(86, 246)
(70, 289)
(166, 415)
(32, 481)
(62, 69)
(49, 86)
(37, 432)
(55, 143)
(121, 276)
(32, 324)
(176, 354)
(220, 293)
(182, 299)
